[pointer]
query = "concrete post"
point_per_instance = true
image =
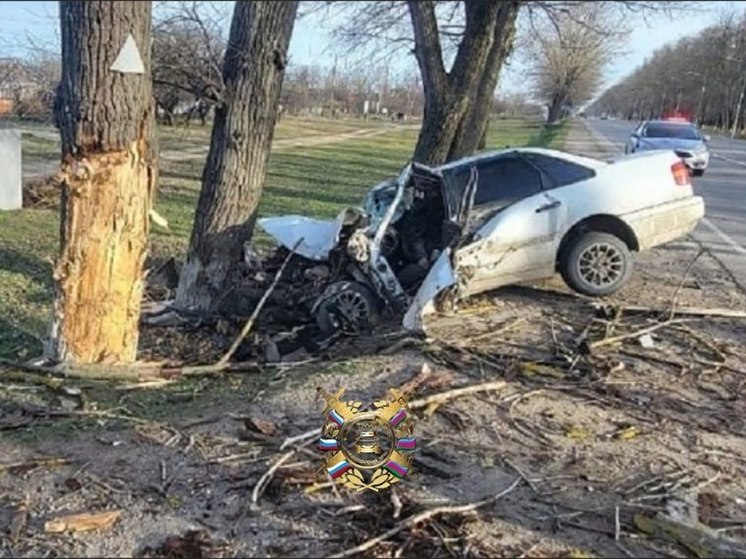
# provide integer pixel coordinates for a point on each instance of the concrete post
(11, 197)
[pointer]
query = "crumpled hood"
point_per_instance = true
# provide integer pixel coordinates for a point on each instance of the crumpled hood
(671, 143)
(319, 236)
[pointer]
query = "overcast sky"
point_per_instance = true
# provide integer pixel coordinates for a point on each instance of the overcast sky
(311, 39)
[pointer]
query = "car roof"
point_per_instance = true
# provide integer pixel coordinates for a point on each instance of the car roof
(577, 159)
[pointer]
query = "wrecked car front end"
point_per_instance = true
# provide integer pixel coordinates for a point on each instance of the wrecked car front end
(396, 249)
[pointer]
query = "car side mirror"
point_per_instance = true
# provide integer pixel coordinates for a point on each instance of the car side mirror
(707, 138)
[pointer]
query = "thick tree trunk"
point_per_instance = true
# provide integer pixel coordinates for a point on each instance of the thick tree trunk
(555, 110)
(109, 173)
(447, 95)
(236, 165)
(472, 130)
(483, 140)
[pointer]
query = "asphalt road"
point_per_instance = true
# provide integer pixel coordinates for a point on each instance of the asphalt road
(723, 186)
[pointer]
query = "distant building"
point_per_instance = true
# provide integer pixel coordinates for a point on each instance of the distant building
(16, 84)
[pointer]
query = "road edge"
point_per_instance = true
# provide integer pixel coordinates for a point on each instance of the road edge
(607, 145)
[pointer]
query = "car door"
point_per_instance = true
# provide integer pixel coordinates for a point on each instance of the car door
(516, 223)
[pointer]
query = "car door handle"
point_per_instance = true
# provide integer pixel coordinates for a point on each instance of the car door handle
(549, 206)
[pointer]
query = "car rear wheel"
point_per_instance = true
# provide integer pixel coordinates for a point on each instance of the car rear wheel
(596, 264)
(350, 308)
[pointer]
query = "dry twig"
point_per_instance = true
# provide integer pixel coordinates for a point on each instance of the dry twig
(681, 283)
(223, 361)
(82, 522)
(640, 332)
(414, 404)
(455, 393)
(31, 464)
(267, 476)
(425, 515)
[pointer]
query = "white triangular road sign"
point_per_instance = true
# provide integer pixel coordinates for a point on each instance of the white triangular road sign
(128, 60)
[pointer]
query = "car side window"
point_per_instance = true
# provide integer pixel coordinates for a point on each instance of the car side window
(506, 180)
(560, 172)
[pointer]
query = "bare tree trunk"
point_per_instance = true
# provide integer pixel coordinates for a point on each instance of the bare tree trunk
(109, 173)
(739, 106)
(447, 94)
(483, 140)
(472, 130)
(236, 165)
(555, 109)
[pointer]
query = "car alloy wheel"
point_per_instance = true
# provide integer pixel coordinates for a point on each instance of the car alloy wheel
(350, 308)
(596, 264)
(601, 264)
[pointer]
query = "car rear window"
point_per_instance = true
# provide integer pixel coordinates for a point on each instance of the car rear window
(664, 130)
(560, 172)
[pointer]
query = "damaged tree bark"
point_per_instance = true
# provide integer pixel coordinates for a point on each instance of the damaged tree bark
(108, 176)
(234, 174)
(457, 103)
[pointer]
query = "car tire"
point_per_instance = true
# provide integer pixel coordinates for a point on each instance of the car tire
(698, 172)
(596, 264)
(349, 299)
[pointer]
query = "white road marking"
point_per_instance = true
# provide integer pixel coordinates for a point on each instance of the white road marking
(728, 159)
(727, 238)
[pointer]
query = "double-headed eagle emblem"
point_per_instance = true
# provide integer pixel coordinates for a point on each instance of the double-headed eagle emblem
(369, 449)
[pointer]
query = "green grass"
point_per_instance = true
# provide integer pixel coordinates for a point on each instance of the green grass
(195, 136)
(315, 181)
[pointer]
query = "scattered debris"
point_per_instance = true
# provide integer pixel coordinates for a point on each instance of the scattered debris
(20, 468)
(19, 521)
(194, 544)
(158, 219)
(646, 341)
(261, 426)
(83, 522)
(528, 383)
(680, 523)
(425, 515)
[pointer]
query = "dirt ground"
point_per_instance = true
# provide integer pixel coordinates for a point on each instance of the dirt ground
(589, 430)
(621, 427)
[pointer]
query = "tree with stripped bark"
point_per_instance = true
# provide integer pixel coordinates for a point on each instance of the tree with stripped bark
(234, 174)
(108, 175)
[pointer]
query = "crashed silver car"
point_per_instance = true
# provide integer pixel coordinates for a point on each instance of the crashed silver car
(487, 221)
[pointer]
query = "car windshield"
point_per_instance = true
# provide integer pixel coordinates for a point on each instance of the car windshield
(664, 130)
